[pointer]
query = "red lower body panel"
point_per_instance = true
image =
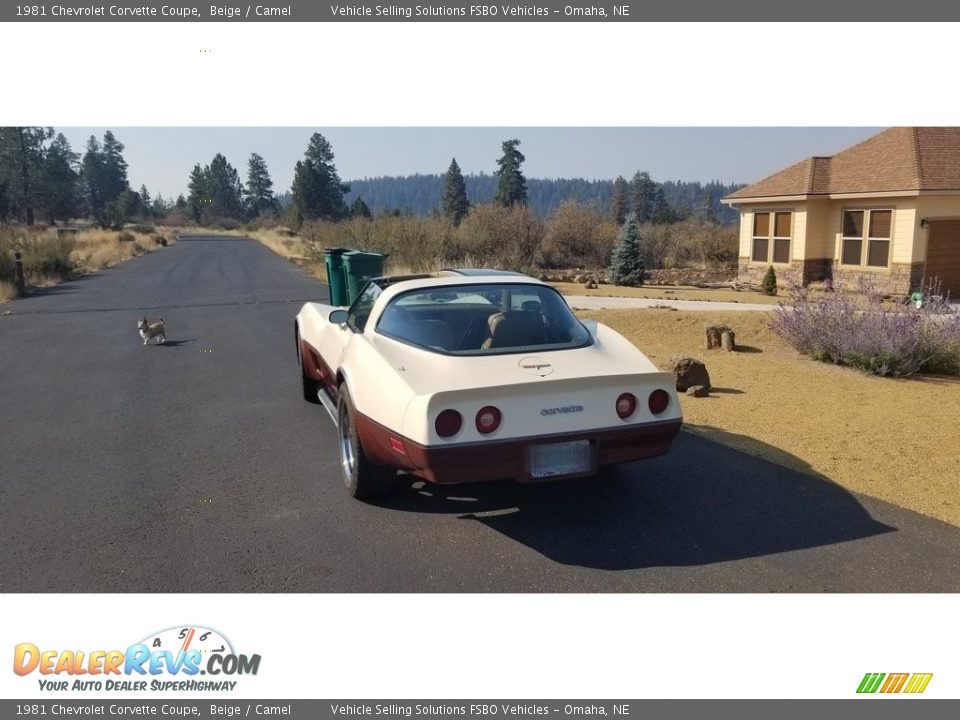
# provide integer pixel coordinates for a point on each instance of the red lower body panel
(502, 459)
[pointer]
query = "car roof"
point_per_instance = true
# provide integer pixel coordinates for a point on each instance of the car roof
(446, 278)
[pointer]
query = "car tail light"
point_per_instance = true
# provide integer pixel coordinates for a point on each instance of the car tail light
(448, 423)
(659, 399)
(626, 404)
(488, 419)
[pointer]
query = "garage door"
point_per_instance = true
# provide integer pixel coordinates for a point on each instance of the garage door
(943, 255)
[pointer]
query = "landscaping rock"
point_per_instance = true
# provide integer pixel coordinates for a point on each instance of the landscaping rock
(728, 340)
(713, 336)
(689, 372)
(698, 391)
(580, 279)
(592, 285)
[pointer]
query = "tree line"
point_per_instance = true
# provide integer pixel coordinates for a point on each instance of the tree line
(42, 177)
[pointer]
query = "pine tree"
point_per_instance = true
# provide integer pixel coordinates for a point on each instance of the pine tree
(455, 202)
(359, 209)
(511, 184)
(224, 189)
(259, 190)
(199, 199)
(114, 167)
(59, 181)
(21, 160)
(619, 204)
(769, 283)
(643, 196)
(626, 262)
(91, 175)
(317, 190)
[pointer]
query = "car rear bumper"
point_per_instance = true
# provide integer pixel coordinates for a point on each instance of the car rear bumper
(502, 459)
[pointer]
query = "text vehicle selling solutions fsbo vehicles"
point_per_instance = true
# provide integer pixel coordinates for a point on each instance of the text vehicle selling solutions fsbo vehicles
(468, 375)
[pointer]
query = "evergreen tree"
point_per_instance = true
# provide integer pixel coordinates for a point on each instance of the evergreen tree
(259, 190)
(643, 192)
(21, 161)
(224, 188)
(455, 203)
(181, 202)
(145, 201)
(511, 184)
(114, 167)
(59, 181)
(619, 204)
(626, 262)
(91, 175)
(769, 283)
(359, 209)
(199, 198)
(4, 200)
(317, 190)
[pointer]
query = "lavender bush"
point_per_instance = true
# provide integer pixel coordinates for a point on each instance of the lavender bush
(862, 330)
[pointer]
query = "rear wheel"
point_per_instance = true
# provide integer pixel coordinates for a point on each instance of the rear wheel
(362, 478)
(310, 386)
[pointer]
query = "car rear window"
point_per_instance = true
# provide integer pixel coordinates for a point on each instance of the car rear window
(483, 319)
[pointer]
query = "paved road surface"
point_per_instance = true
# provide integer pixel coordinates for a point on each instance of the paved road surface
(197, 467)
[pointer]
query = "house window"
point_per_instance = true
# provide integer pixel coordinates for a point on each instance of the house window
(866, 237)
(771, 236)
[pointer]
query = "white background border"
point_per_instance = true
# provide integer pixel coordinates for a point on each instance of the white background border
(393, 74)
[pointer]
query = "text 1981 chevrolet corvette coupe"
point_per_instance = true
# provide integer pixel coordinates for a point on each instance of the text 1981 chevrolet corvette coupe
(468, 375)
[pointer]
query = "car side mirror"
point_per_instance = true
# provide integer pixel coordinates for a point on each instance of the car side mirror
(338, 317)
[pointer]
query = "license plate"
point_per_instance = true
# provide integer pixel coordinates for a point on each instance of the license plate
(566, 458)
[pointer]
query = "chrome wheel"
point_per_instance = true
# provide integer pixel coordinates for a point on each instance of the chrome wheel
(348, 456)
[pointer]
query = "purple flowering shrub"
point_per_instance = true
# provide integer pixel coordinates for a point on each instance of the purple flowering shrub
(860, 329)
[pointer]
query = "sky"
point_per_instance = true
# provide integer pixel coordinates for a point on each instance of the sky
(161, 158)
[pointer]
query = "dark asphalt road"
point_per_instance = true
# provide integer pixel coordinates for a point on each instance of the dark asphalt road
(197, 467)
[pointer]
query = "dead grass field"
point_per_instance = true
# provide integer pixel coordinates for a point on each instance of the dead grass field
(893, 439)
(291, 248)
(664, 292)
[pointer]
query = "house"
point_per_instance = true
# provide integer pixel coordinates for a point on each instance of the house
(887, 209)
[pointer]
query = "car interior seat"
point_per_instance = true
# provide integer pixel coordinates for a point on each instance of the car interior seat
(515, 328)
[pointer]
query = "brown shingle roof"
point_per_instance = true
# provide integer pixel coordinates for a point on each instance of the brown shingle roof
(893, 160)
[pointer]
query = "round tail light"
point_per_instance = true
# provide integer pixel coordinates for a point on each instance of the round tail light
(626, 405)
(659, 399)
(488, 419)
(448, 423)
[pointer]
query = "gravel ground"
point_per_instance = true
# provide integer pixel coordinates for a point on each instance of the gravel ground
(893, 439)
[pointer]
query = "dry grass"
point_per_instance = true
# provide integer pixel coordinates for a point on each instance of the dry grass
(664, 292)
(98, 249)
(292, 248)
(892, 439)
(6, 292)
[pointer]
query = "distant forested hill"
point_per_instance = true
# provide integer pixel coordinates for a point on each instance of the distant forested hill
(420, 194)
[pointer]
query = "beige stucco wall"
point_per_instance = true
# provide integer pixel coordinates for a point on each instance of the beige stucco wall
(798, 228)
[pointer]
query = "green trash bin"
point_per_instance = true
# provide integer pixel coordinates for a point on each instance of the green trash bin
(358, 267)
(333, 258)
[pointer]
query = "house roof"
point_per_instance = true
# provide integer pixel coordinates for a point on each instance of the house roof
(898, 159)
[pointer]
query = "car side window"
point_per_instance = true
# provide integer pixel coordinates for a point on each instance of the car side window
(360, 310)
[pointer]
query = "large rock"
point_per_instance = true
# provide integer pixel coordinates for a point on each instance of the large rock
(689, 372)
(714, 334)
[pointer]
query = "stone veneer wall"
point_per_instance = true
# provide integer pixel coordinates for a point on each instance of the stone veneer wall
(902, 279)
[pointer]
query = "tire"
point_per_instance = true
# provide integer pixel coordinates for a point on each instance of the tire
(362, 478)
(310, 386)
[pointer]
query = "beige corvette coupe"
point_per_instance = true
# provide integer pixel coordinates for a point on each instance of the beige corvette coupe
(469, 375)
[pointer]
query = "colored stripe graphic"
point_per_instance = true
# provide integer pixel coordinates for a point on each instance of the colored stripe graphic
(918, 683)
(870, 682)
(895, 683)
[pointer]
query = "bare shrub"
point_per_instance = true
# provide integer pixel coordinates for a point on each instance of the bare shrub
(509, 238)
(577, 235)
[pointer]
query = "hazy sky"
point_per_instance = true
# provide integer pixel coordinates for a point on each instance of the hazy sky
(161, 158)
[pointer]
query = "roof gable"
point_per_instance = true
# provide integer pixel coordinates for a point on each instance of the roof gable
(898, 159)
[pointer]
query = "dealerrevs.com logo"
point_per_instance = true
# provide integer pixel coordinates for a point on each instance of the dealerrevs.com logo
(892, 683)
(169, 660)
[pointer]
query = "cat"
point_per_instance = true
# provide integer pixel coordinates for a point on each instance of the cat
(151, 330)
